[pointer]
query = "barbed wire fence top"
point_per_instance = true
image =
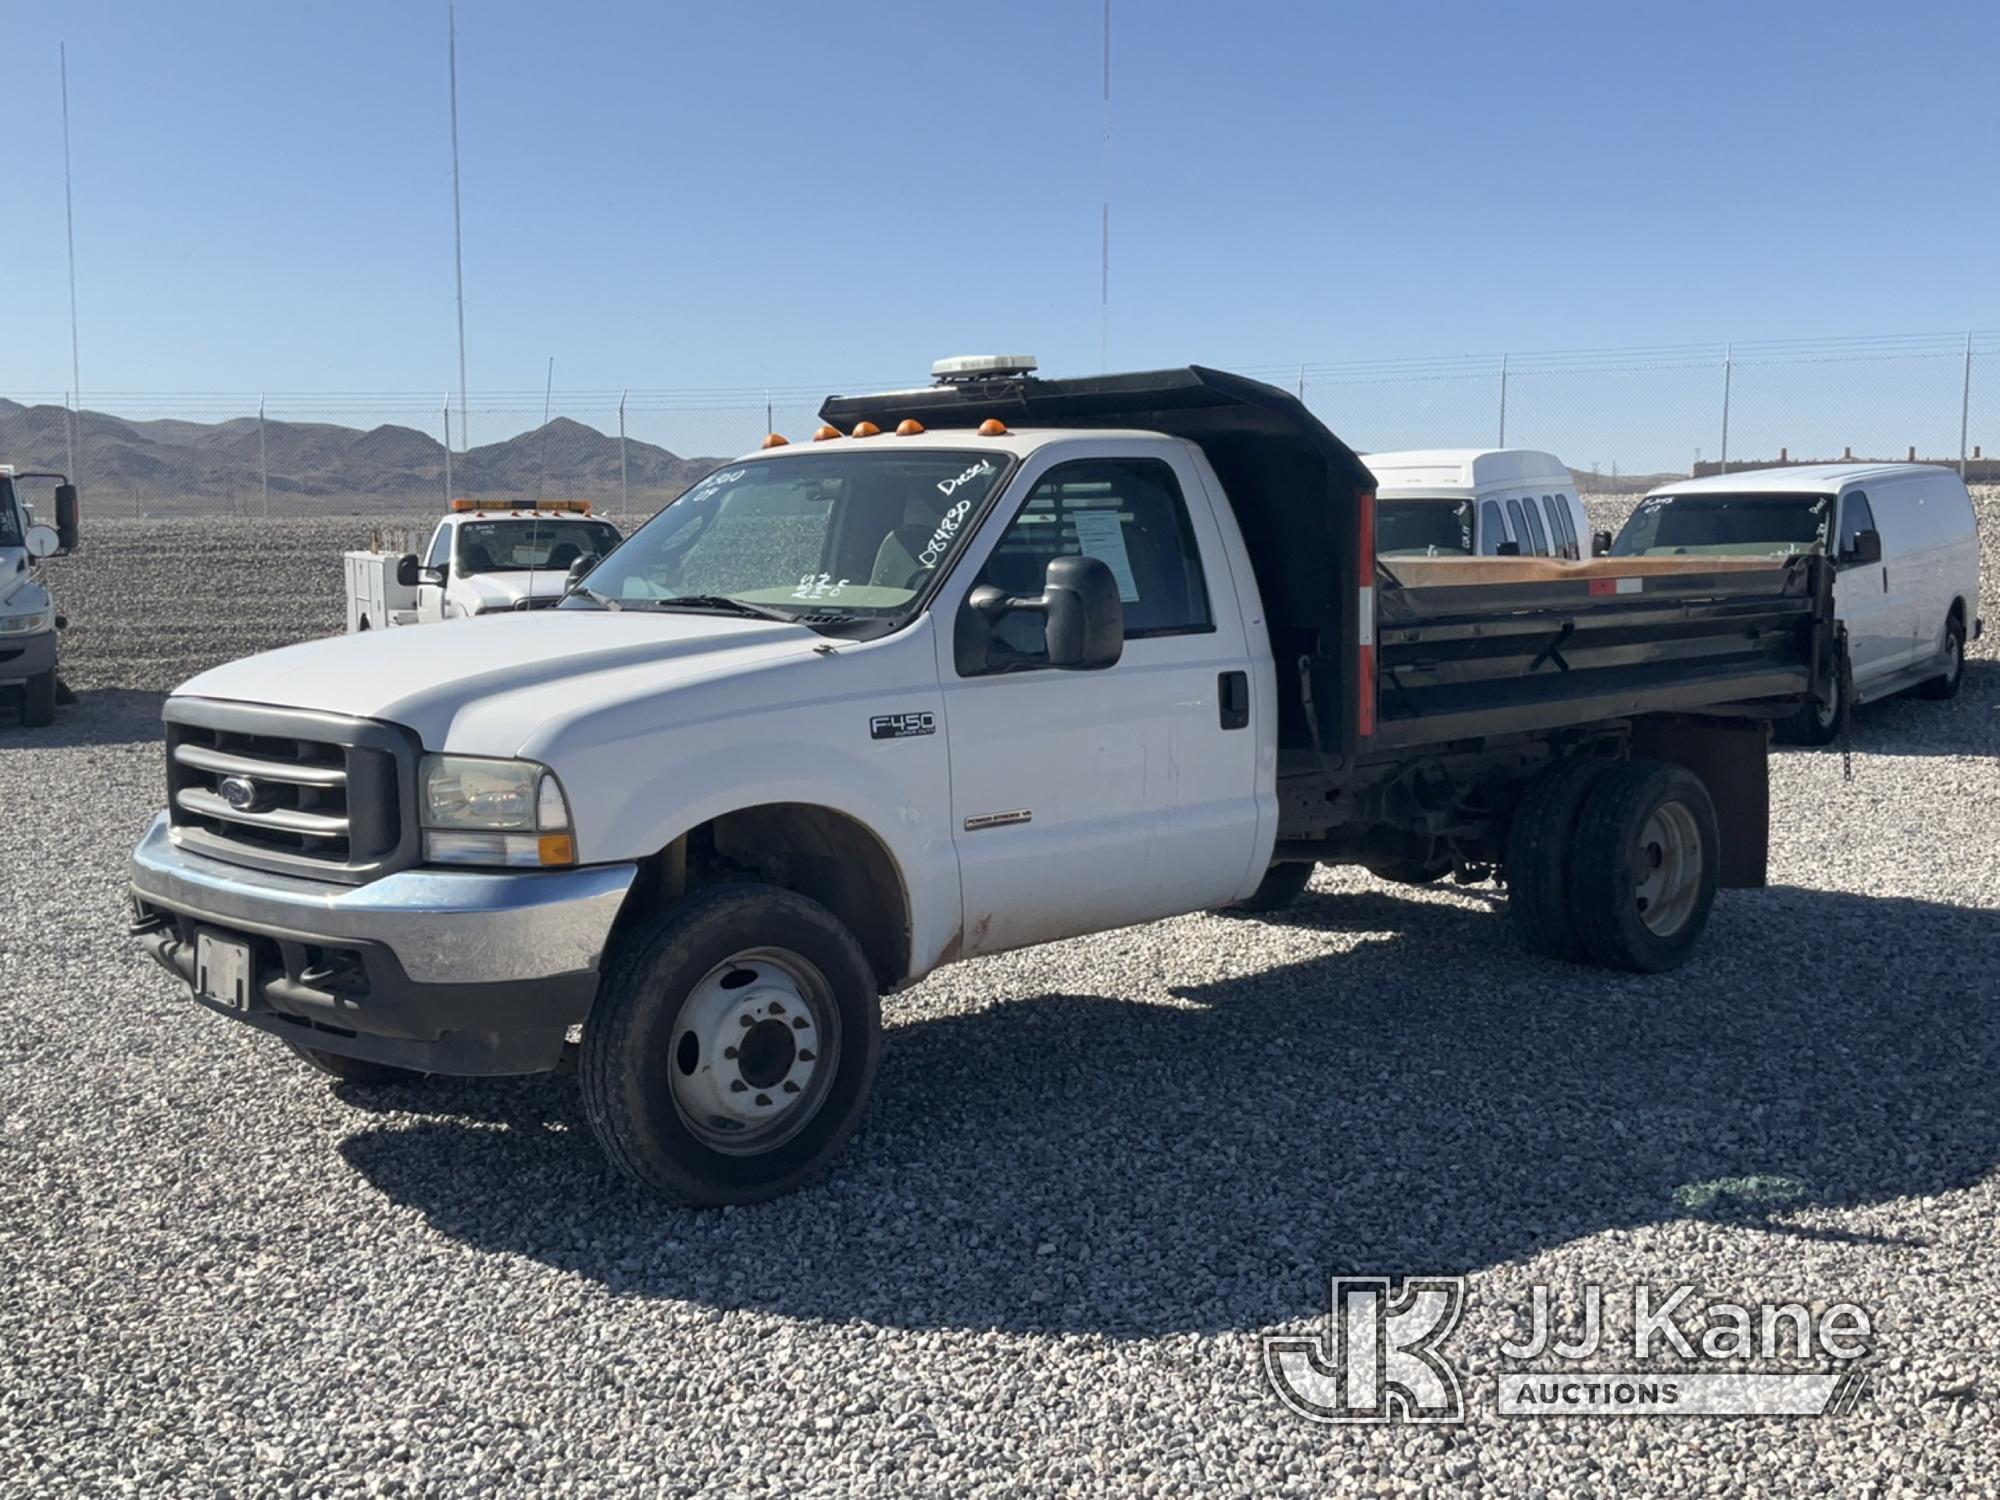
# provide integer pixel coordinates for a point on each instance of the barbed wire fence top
(1627, 414)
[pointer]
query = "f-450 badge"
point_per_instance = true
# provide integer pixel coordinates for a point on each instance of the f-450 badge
(901, 726)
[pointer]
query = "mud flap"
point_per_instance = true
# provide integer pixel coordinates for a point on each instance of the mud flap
(1732, 757)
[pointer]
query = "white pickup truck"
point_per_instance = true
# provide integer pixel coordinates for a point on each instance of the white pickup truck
(486, 557)
(990, 664)
(28, 619)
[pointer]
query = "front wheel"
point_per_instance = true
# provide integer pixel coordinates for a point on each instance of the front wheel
(1945, 684)
(732, 1048)
(38, 700)
(1819, 723)
(1280, 887)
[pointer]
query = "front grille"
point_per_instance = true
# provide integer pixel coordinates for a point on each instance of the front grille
(289, 790)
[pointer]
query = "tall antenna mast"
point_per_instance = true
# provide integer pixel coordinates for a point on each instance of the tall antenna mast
(69, 216)
(457, 227)
(1104, 266)
(548, 390)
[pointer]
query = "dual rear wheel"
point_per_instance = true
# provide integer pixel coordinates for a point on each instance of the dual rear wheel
(1614, 863)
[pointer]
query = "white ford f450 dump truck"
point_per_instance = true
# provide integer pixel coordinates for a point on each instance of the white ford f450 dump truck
(990, 664)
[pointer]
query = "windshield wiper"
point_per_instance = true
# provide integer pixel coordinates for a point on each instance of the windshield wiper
(724, 603)
(604, 600)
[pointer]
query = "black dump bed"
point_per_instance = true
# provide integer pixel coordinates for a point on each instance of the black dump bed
(1479, 647)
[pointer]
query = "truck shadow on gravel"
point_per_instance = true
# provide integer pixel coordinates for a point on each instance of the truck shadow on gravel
(1425, 1101)
(99, 716)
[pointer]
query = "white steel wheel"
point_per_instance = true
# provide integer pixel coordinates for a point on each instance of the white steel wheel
(1667, 869)
(754, 1048)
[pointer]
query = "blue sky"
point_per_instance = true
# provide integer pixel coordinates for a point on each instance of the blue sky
(742, 194)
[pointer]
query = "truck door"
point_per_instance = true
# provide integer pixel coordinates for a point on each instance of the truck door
(436, 576)
(1877, 630)
(1087, 800)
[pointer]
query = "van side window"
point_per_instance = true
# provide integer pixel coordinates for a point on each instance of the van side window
(1520, 525)
(1128, 513)
(1559, 526)
(1855, 518)
(1492, 530)
(1537, 536)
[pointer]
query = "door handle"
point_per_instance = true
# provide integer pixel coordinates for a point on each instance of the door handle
(1232, 696)
(1885, 580)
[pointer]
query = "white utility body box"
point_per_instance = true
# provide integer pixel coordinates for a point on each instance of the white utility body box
(374, 599)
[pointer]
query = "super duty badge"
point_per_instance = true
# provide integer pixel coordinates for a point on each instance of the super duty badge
(901, 726)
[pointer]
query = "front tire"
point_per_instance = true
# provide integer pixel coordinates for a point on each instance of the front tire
(733, 1046)
(1645, 866)
(1819, 723)
(1944, 686)
(38, 700)
(1280, 887)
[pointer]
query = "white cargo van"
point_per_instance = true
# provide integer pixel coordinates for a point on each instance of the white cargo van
(1904, 544)
(1481, 502)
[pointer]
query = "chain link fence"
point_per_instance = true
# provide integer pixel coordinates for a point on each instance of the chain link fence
(1629, 417)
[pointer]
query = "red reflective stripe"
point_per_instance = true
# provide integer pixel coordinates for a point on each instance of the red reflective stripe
(1604, 585)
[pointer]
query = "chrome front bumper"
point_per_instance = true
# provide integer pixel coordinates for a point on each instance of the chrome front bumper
(439, 970)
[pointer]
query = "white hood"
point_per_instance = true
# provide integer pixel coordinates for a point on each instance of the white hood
(485, 686)
(502, 591)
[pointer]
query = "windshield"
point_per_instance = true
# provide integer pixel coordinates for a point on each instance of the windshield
(834, 536)
(1422, 528)
(1670, 525)
(518, 546)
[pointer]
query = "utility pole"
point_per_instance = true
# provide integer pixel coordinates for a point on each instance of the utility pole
(263, 470)
(457, 226)
(624, 491)
(1965, 409)
(1728, 353)
(1503, 403)
(69, 219)
(542, 484)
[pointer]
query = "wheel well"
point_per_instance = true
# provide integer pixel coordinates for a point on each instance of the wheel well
(815, 851)
(1957, 612)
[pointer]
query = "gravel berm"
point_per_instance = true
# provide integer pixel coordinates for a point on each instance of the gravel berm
(1094, 1174)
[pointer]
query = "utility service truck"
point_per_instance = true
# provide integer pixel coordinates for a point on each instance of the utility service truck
(28, 618)
(988, 664)
(486, 557)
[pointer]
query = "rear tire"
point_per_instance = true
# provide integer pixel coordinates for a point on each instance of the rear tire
(1945, 685)
(1541, 840)
(708, 1019)
(1280, 887)
(1644, 866)
(38, 700)
(353, 1069)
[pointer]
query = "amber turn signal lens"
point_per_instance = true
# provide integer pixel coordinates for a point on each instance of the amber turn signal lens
(556, 849)
(828, 431)
(775, 440)
(864, 429)
(909, 427)
(993, 427)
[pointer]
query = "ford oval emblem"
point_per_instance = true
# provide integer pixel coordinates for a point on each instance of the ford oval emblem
(240, 792)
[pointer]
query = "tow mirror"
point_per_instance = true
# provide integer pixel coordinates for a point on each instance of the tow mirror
(578, 571)
(69, 517)
(433, 575)
(406, 571)
(1600, 543)
(1867, 547)
(1083, 617)
(42, 541)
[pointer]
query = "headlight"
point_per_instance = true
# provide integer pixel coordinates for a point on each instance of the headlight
(32, 623)
(493, 812)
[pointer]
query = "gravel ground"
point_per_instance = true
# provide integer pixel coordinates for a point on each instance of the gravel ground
(1094, 1173)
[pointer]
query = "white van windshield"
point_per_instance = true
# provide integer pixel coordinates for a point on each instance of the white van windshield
(1744, 525)
(1423, 528)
